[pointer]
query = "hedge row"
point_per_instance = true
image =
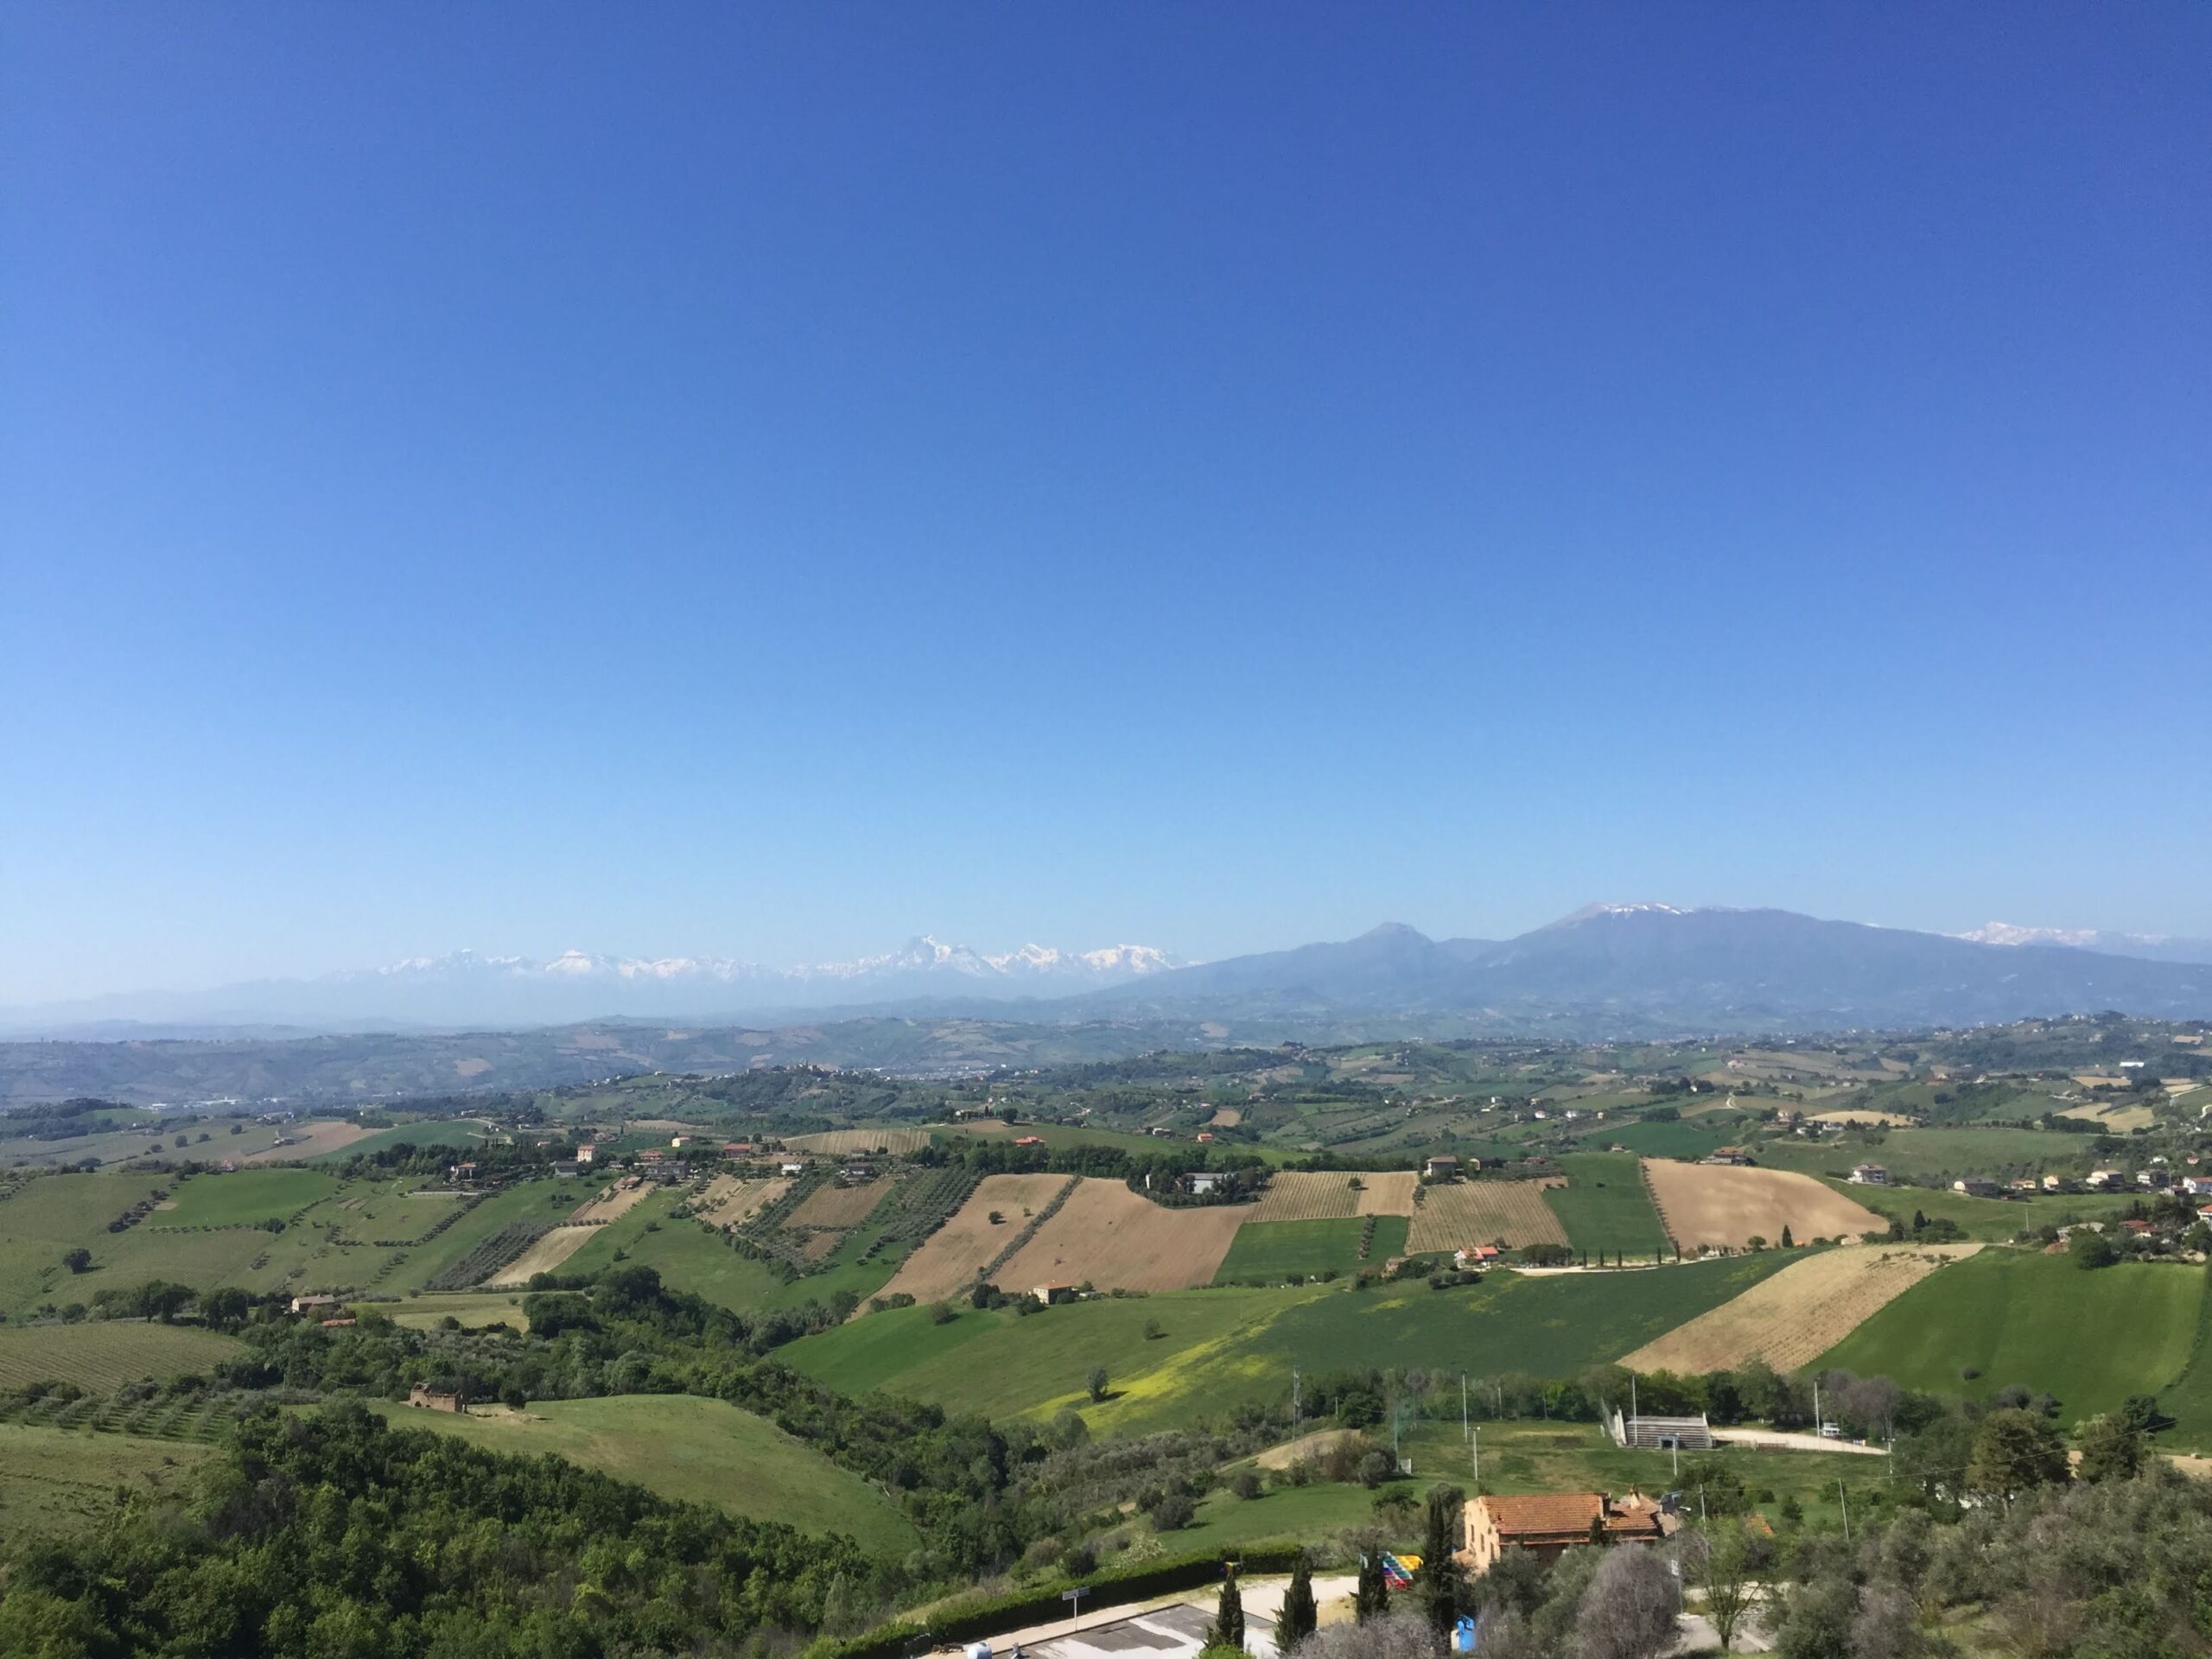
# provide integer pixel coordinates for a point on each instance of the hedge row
(1010, 1611)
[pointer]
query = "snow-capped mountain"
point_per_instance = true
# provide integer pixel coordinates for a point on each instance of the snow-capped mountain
(2150, 947)
(468, 988)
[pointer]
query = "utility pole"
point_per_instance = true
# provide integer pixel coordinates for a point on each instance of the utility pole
(1293, 1400)
(1463, 1405)
(1844, 1498)
(1817, 1405)
(1477, 1443)
(1635, 1417)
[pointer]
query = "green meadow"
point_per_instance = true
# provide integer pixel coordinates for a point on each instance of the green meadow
(243, 1197)
(1604, 1205)
(2091, 1339)
(1300, 1249)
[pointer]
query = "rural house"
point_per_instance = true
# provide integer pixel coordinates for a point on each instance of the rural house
(587, 1153)
(307, 1304)
(1551, 1523)
(1729, 1155)
(430, 1399)
(651, 1156)
(737, 1148)
(1976, 1186)
(1870, 1175)
(1203, 1181)
(1443, 1168)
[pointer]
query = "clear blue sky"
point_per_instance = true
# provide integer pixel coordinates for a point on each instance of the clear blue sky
(769, 481)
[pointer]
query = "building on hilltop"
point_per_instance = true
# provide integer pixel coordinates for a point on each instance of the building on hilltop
(1870, 1175)
(1551, 1523)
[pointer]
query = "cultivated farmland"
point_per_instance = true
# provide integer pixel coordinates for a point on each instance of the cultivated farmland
(612, 1203)
(833, 1205)
(956, 1252)
(1727, 1206)
(104, 1355)
(842, 1143)
(544, 1255)
(310, 1140)
(1115, 1239)
(728, 1200)
(1794, 1318)
(1464, 1213)
(1331, 1196)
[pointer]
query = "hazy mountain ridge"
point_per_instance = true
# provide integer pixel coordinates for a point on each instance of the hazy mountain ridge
(466, 988)
(2150, 947)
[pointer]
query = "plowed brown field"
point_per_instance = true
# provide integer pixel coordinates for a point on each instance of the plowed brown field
(728, 1200)
(950, 1257)
(1390, 1194)
(1120, 1240)
(1722, 1204)
(1290, 1197)
(1800, 1313)
(548, 1252)
(834, 1206)
(1462, 1213)
(612, 1203)
(839, 1143)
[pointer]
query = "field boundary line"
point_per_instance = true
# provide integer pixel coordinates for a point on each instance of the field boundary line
(1052, 1208)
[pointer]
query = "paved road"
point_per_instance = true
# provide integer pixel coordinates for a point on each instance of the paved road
(1771, 1439)
(1262, 1602)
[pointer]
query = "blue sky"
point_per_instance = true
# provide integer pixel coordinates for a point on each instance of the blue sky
(771, 480)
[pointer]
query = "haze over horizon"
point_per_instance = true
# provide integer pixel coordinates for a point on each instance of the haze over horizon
(774, 484)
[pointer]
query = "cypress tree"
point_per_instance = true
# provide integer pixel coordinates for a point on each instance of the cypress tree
(1300, 1615)
(1439, 1587)
(1228, 1616)
(1371, 1599)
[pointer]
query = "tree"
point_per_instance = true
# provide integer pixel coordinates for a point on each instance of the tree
(1228, 1630)
(1788, 1242)
(1300, 1615)
(1438, 1586)
(2091, 1251)
(225, 1309)
(1816, 1621)
(1371, 1596)
(2112, 1448)
(1096, 1382)
(77, 1260)
(1721, 1558)
(2014, 1452)
(1381, 1638)
(1628, 1612)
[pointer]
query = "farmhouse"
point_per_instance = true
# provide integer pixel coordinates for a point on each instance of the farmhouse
(1050, 1293)
(1443, 1168)
(737, 1148)
(651, 1156)
(1729, 1155)
(430, 1400)
(1553, 1523)
(1475, 1256)
(1203, 1181)
(1870, 1175)
(567, 1168)
(792, 1169)
(2100, 1179)
(587, 1153)
(1976, 1186)
(307, 1304)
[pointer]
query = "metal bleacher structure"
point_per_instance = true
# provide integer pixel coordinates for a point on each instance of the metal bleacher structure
(1661, 1434)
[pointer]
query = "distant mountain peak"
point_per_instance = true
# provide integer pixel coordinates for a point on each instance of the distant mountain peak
(1395, 930)
(2150, 947)
(1645, 907)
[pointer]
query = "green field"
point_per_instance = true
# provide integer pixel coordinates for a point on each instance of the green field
(473, 1308)
(59, 1480)
(2092, 1338)
(244, 1197)
(102, 1356)
(1997, 1220)
(2189, 1400)
(1278, 1250)
(698, 1451)
(1926, 1154)
(1679, 1140)
(1222, 1348)
(1604, 1205)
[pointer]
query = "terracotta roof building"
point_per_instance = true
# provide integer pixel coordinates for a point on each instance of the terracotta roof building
(1553, 1522)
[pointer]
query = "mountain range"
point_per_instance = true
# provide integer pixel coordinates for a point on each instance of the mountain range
(1607, 970)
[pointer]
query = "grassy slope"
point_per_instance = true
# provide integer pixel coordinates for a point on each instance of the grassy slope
(701, 1451)
(1292, 1249)
(2090, 1338)
(1604, 1205)
(473, 1308)
(2189, 1401)
(433, 1132)
(1661, 1140)
(57, 1480)
(1224, 1347)
(244, 1197)
(424, 1262)
(101, 1356)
